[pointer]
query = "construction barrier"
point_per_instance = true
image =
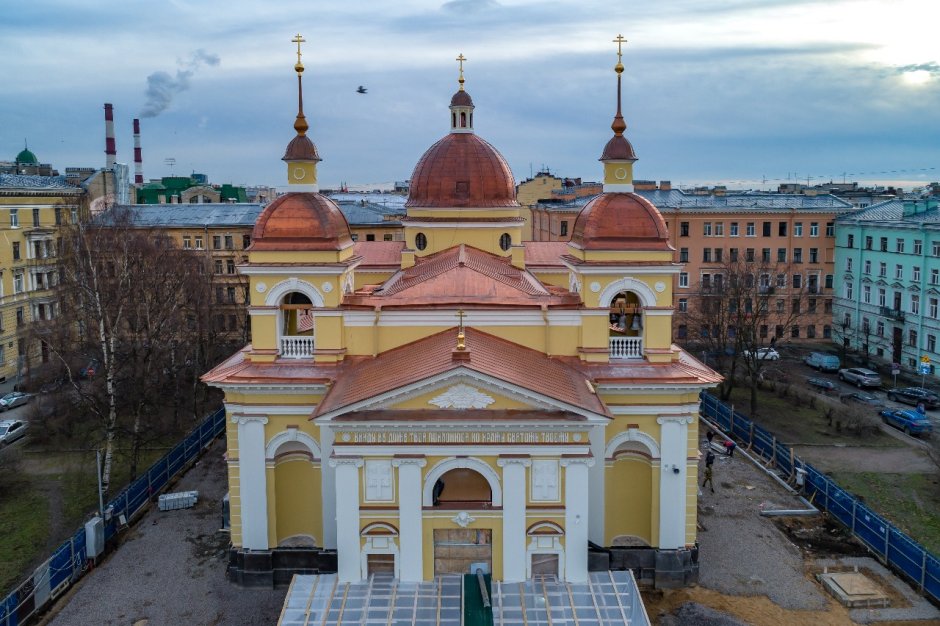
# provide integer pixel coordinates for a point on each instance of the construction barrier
(887, 542)
(69, 561)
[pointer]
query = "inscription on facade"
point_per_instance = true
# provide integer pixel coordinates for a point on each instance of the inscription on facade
(434, 437)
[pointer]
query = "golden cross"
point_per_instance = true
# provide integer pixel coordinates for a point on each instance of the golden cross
(460, 315)
(619, 41)
(461, 344)
(460, 59)
(298, 40)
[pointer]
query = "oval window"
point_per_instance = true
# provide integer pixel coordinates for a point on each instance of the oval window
(505, 241)
(421, 241)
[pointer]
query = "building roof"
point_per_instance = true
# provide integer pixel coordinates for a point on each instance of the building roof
(892, 212)
(301, 221)
(620, 221)
(193, 215)
(363, 213)
(545, 253)
(462, 170)
(683, 201)
(489, 355)
(379, 253)
(26, 157)
(392, 202)
(28, 181)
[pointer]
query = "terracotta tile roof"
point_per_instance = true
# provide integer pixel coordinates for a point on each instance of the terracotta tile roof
(380, 252)
(364, 378)
(545, 253)
(238, 370)
(463, 275)
(687, 370)
(461, 218)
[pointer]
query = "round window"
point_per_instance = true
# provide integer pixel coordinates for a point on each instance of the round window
(421, 241)
(505, 241)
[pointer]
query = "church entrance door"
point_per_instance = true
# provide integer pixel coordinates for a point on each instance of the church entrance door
(457, 549)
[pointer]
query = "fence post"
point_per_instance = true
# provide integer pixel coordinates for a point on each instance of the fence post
(731, 421)
(887, 540)
(750, 437)
(827, 494)
(854, 504)
(792, 463)
(923, 571)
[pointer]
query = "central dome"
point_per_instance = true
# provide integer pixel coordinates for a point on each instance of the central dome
(462, 170)
(301, 221)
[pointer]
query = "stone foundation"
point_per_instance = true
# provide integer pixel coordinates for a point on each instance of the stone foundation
(276, 568)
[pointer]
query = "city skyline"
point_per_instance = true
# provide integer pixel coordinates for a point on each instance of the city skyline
(748, 94)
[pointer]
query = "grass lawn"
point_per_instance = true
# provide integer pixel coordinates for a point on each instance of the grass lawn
(910, 501)
(24, 526)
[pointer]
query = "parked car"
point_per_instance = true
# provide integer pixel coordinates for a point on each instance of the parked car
(823, 362)
(860, 377)
(14, 398)
(911, 422)
(11, 430)
(823, 384)
(915, 395)
(763, 354)
(861, 397)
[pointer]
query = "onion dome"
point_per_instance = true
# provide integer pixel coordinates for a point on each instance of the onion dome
(25, 157)
(620, 221)
(302, 222)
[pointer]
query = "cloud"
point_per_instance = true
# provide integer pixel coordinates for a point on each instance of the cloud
(469, 6)
(162, 87)
(932, 67)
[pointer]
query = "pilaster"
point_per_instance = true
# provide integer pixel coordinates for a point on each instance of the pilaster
(576, 517)
(253, 480)
(410, 518)
(674, 443)
(348, 543)
(514, 507)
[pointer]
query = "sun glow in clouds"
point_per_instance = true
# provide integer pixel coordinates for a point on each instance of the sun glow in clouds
(916, 78)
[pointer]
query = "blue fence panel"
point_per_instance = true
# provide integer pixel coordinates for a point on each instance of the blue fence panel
(8, 610)
(60, 565)
(931, 582)
(783, 459)
(137, 495)
(78, 549)
(158, 474)
(871, 528)
(904, 553)
(175, 460)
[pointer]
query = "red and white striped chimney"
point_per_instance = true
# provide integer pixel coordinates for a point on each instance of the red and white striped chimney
(138, 159)
(109, 149)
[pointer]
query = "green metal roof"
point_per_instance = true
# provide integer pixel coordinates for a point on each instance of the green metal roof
(27, 157)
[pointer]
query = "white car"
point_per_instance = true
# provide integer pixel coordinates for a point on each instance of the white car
(763, 354)
(14, 398)
(11, 430)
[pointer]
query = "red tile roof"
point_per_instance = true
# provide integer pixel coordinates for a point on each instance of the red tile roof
(379, 252)
(545, 253)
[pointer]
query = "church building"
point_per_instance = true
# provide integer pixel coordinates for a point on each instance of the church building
(462, 399)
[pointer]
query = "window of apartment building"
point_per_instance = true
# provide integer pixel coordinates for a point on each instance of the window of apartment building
(848, 264)
(915, 274)
(828, 282)
(813, 283)
(683, 255)
(719, 229)
(750, 230)
(867, 267)
(563, 228)
(733, 229)
(683, 279)
(73, 216)
(797, 281)
(370, 236)
(216, 242)
(220, 322)
(883, 269)
(14, 218)
(749, 255)
(187, 242)
(16, 250)
(229, 242)
(899, 271)
(230, 266)
(795, 331)
(848, 291)
(706, 255)
(899, 245)
(18, 282)
(781, 305)
(765, 255)
(866, 325)
(811, 305)
(935, 248)
(866, 294)
(847, 320)
(763, 331)
(387, 237)
(58, 216)
(880, 328)
(782, 229)
(230, 295)
(814, 229)
(233, 322)
(246, 241)
(706, 281)
(198, 242)
(850, 241)
(781, 280)
(918, 247)
(882, 297)
(707, 229)
(932, 308)
(795, 305)
(682, 332)
(683, 229)
(912, 338)
(830, 229)
(683, 304)
(35, 218)
(915, 304)
(20, 316)
(719, 253)
(733, 255)
(218, 266)
(797, 255)
(884, 244)
(797, 229)
(811, 332)
(931, 343)
(935, 276)
(869, 240)
(827, 331)
(778, 331)
(766, 229)
(218, 294)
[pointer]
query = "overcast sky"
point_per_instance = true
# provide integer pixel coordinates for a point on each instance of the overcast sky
(743, 92)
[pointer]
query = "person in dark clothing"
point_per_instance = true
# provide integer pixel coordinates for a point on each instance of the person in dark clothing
(729, 447)
(709, 436)
(709, 459)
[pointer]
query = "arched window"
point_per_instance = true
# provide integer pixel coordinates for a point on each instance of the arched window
(463, 119)
(505, 241)
(421, 241)
(297, 326)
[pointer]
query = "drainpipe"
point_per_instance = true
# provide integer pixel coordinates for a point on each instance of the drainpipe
(375, 331)
(547, 334)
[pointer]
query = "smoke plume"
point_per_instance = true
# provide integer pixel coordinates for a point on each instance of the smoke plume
(162, 87)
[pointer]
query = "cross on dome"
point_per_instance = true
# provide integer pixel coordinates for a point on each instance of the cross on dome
(460, 59)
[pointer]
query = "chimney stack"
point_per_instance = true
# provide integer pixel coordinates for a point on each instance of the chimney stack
(138, 159)
(109, 149)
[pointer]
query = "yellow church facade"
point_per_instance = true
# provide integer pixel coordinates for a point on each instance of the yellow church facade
(462, 399)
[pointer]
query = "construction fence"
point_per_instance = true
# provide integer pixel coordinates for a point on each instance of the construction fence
(887, 542)
(69, 562)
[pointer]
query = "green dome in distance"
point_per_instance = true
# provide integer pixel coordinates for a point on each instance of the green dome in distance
(25, 157)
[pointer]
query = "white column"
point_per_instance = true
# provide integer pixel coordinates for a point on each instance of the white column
(597, 475)
(252, 480)
(348, 543)
(674, 446)
(576, 517)
(328, 484)
(514, 507)
(410, 519)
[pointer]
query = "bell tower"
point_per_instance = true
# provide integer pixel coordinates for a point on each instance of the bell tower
(301, 155)
(618, 157)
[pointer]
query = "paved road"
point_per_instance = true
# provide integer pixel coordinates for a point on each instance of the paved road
(171, 569)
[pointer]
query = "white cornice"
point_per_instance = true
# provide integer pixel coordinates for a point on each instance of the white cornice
(384, 450)
(622, 269)
(446, 319)
(641, 388)
(509, 223)
(333, 269)
(274, 389)
(271, 409)
(654, 409)
(547, 426)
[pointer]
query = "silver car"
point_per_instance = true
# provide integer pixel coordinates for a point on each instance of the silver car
(11, 430)
(14, 398)
(860, 377)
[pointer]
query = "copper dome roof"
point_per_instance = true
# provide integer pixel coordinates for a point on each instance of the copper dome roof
(620, 221)
(461, 99)
(618, 148)
(462, 170)
(301, 221)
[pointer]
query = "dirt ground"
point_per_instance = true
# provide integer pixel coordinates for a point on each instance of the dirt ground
(908, 460)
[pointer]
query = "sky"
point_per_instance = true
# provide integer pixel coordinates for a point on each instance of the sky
(747, 93)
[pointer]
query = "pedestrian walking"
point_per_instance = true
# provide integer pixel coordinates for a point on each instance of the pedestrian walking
(709, 459)
(729, 447)
(708, 478)
(709, 436)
